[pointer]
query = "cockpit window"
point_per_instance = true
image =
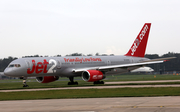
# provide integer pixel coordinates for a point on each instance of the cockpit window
(11, 65)
(15, 65)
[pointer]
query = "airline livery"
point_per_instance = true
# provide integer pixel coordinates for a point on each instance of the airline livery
(90, 68)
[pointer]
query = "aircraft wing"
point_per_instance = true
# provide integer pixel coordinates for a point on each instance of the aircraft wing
(117, 66)
(160, 59)
(153, 61)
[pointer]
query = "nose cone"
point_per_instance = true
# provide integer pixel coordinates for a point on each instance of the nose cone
(8, 72)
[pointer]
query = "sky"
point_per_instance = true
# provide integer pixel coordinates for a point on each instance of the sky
(52, 27)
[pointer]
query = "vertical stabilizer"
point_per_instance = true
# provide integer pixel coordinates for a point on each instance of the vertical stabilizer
(138, 48)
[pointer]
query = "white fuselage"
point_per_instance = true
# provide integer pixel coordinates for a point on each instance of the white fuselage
(64, 66)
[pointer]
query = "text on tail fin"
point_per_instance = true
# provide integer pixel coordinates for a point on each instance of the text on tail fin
(138, 48)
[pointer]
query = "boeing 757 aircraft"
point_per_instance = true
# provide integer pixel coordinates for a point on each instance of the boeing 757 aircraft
(90, 68)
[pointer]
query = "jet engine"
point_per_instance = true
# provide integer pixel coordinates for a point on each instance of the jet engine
(92, 75)
(47, 79)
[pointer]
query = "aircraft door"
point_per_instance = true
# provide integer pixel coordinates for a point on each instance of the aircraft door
(28, 64)
(131, 60)
(58, 64)
(108, 62)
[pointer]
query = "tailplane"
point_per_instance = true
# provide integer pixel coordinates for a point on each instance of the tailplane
(138, 48)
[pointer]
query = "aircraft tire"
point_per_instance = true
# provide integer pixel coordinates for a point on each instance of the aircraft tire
(99, 82)
(102, 82)
(72, 83)
(95, 82)
(25, 86)
(76, 83)
(69, 83)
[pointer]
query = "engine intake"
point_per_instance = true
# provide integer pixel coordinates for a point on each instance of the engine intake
(47, 79)
(92, 75)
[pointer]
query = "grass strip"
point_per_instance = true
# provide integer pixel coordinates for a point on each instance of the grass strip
(142, 77)
(35, 85)
(91, 93)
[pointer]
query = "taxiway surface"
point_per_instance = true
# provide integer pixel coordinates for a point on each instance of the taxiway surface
(121, 104)
(91, 87)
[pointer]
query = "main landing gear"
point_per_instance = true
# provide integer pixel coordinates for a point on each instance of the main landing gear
(72, 81)
(99, 82)
(24, 82)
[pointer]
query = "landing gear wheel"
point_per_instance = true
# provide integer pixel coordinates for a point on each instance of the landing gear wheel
(102, 82)
(24, 82)
(72, 81)
(25, 86)
(76, 83)
(99, 82)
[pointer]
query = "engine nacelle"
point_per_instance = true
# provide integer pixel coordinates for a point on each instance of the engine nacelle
(47, 79)
(92, 75)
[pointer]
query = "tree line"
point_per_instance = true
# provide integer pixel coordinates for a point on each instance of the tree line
(168, 66)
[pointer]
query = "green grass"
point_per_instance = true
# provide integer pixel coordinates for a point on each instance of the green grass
(91, 93)
(33, 85)
(142, 77)
(17, 84)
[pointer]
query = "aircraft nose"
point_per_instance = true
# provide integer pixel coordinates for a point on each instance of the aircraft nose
(8, 72)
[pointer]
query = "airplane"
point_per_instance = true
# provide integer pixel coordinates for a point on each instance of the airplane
(143, 69)
(90, 68)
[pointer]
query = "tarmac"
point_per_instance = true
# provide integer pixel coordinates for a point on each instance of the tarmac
(120, 104)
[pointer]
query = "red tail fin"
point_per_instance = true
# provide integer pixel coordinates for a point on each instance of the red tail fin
(139, 46)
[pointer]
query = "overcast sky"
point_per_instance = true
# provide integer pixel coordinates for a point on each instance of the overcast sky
(51, 27)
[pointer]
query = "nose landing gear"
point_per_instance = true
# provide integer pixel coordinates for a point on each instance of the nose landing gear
(24, 81)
